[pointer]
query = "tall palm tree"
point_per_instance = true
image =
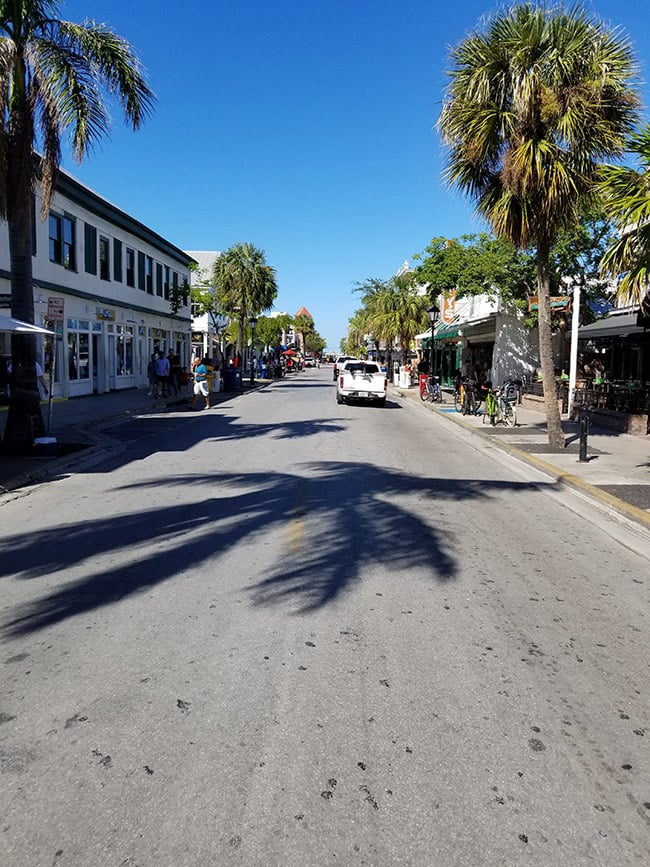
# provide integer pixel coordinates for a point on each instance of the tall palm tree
(52, 74)
(536, 100)
(395, 309)
(626, 197)
(245, 284)
(303, 325)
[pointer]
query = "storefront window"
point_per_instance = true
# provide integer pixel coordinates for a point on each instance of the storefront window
(78, 352)
(124, 349)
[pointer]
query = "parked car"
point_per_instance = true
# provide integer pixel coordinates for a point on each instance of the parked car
(310, 361)
(340, 361)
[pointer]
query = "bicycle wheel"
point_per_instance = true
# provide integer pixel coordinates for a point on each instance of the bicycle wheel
(458, 406)
(424, 393)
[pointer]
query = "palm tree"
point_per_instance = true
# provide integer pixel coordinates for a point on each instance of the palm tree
(52, 73)
(245, 284)
(536, 100)
(395, 310)
(626, 197)
(303, 325)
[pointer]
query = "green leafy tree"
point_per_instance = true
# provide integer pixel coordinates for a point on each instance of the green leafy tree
(53, 74)
(245, 284)
(626, 198)
(537, 99)
(476, 264)
(315, 343)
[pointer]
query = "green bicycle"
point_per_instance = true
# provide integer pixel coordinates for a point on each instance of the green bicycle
(498, 410)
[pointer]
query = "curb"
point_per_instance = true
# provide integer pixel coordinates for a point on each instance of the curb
(564, 478)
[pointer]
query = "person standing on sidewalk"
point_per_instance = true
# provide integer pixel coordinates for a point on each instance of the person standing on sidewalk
(162, 374)
(153, 377)
(201, 383)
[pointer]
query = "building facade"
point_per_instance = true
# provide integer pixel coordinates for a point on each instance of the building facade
(104, 282)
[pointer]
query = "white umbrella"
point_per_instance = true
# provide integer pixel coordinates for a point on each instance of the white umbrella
(8, 323)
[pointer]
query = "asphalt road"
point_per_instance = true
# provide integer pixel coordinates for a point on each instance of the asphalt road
(286, 632)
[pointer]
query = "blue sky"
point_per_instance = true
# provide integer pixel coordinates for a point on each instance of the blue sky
(306, 127)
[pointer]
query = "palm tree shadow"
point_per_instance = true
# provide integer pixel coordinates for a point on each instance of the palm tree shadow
(349, 516)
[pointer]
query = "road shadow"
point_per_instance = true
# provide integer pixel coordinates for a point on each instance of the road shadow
(336, 518)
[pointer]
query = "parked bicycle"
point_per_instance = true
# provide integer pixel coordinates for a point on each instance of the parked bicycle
(500, 407)
(431, 390)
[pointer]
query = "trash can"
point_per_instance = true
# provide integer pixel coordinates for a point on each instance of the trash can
(396, 373)
(232, 379)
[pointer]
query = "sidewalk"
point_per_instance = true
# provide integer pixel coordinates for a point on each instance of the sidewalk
(616, 472)
(76, 423)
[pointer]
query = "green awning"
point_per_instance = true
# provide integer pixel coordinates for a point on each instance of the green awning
(447, 331)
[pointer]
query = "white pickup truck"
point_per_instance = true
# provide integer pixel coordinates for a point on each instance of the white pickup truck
(361, 380)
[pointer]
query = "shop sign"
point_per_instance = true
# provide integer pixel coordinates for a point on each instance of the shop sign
(449, 307)
(105, 314)
(558, 302)
(197, 337)
(55, 309)
(158, 333)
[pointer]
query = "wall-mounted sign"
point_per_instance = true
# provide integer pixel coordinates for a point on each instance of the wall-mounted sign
(105, 314)
(449, 307)
(55, 309)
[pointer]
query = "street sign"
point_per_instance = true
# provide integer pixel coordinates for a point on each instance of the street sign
(55, 309)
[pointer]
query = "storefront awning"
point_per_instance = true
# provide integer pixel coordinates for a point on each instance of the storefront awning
(613, 326)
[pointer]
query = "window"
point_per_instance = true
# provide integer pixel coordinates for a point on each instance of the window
(124, 350)
(117, 260)
(78, 350)
(62, 240)
(90, 248)
(104, 267)
(130, 267)
(166, 282)
(159, 279)
(148, 274)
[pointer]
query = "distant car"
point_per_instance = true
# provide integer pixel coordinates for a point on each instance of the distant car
(310, 361)
(340, 361)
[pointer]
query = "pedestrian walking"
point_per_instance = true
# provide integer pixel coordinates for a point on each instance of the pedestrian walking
(201, 383)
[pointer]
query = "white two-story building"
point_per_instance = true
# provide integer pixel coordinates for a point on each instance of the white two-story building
(103, 282)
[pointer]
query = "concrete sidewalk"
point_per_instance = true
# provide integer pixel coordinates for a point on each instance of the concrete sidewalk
(616, 472)
(76, 425)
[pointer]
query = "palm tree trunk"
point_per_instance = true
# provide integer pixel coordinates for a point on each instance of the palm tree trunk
(551, 406)
(24, 419)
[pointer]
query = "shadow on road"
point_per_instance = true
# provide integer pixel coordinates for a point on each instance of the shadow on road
(339, 517)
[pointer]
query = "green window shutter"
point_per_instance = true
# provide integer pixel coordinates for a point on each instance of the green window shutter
(117, 260)
(90, 248)
(141, 281)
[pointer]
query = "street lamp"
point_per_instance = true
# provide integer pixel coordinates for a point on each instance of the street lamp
(432, 313)
(252, 321)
